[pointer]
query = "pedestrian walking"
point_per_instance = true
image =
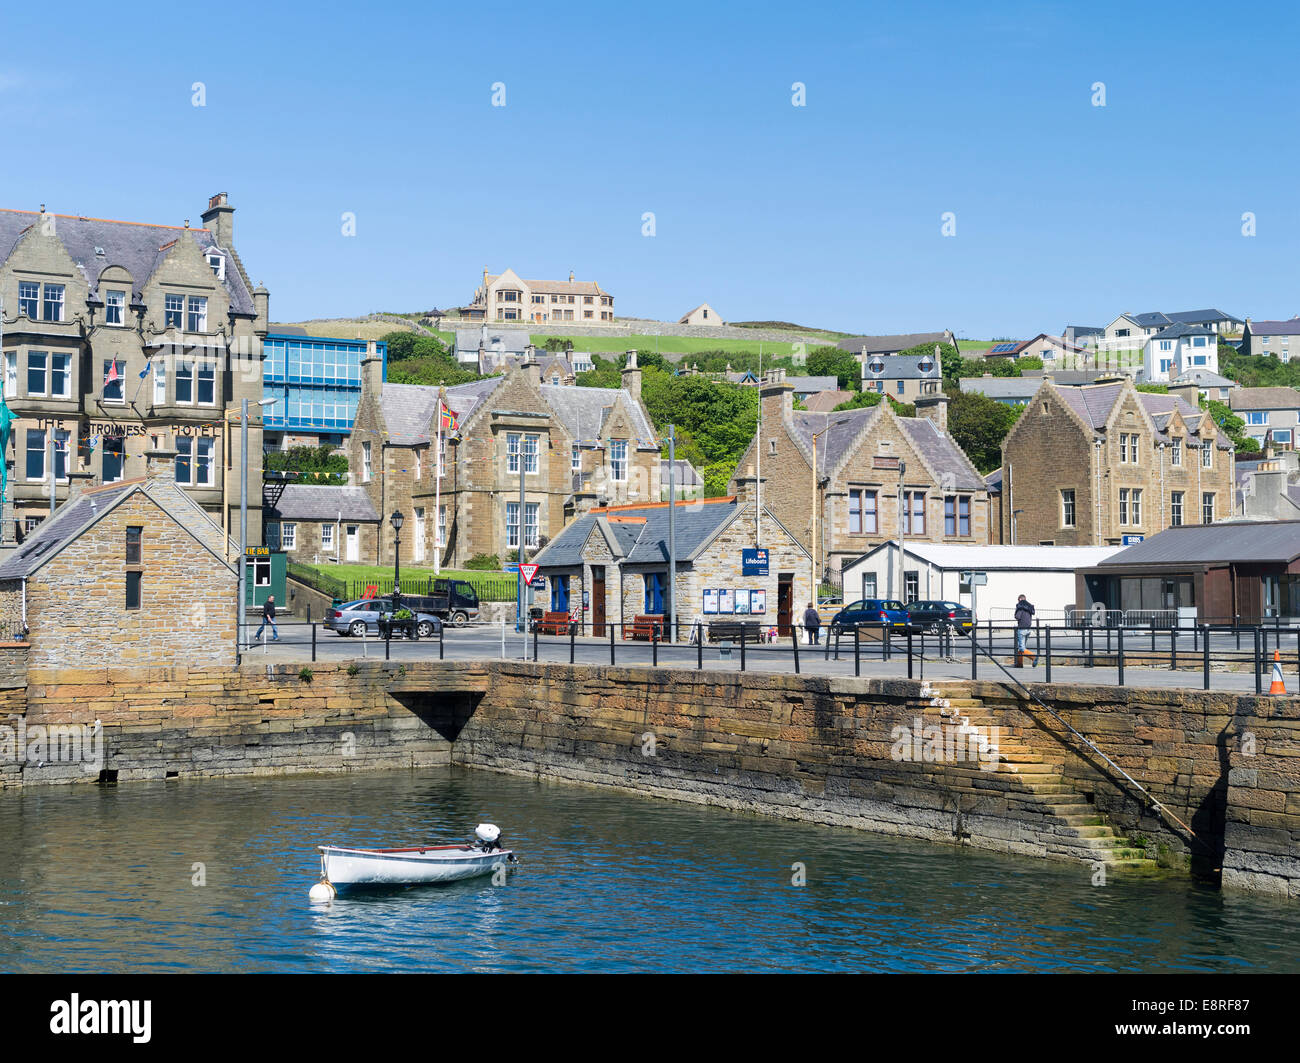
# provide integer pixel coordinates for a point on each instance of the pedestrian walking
(1024, 622)
(268, 617)
(812, 621)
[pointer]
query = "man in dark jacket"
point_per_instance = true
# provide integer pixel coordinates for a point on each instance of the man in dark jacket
(812, 621)
(1024, 622)
(268, 617)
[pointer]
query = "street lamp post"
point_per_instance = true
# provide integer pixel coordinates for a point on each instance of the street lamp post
(242, 562)
(397, 520)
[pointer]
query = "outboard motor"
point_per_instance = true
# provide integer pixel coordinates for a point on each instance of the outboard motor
(487, 837)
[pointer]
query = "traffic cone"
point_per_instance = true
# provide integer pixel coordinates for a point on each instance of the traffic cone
(1277, 686)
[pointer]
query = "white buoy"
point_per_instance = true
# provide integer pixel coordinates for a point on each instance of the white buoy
(322, 893)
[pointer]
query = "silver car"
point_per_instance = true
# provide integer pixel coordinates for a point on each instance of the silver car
(362, 618)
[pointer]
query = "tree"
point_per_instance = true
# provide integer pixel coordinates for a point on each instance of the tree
(979, 425)
(407, 345)
(1233, 426)
(832, 361)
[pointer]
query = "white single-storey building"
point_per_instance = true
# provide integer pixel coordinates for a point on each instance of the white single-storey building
(934, 571)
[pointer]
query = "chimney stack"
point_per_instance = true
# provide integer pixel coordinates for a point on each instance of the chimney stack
(776, 397)
(934, 407)
(372, 370)
(219, 217)
(160, 465)
(570, 276)
(632, 376)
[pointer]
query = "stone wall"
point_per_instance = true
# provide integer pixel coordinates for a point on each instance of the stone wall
(813, 748)
(76, 601)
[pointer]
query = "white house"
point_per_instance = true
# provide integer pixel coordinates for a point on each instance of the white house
(1178, 349)
(933, 571)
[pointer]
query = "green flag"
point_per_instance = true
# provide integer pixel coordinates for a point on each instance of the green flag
(6, 419)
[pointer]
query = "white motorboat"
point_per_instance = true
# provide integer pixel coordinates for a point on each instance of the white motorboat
(343, 867)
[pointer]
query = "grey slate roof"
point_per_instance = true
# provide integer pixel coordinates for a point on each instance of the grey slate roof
(1264, 399)
(947, 459)
(1276, 328)
(1002, 387)
(409, 408)
(583, 411)
(684, 473)
(901, 367)
(73, 518)
(810, 385)
(137, 248)
(1203, 378)
(497, 340)
(696, 523)
(1154, 318)
(319, 502)
(1179, 331)
(835, 432)
(1197, 544)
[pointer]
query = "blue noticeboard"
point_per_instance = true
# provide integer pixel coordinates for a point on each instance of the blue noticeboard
(1132, 540)
(753, 561)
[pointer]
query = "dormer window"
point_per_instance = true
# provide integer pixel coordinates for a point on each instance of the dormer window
(114, 308)
(218, 265)
(876, 365)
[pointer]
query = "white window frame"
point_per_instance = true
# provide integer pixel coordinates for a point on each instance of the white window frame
(367, 466)
(44, 371)
(1207, 456)
(327, 537)
(115, 308)
(59, 302)
(513, 449)
(288, 535)
(66, 391)
(160, 380)
(618, 460)
(203, 471)
(11, 374)
(174, 315)
(185, 454)
(1069, 512)
(196, 313)
(442, 526)
(29, 450)
(30, 304)
(1207, 507)
(532, 448)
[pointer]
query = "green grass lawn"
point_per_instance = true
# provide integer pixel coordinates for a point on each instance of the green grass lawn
(372, 572)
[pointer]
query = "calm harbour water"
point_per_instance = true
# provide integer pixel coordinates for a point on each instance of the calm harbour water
(100, 879)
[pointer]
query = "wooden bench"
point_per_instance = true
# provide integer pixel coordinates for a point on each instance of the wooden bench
(554, 624)
(732, 629)
(645, 627)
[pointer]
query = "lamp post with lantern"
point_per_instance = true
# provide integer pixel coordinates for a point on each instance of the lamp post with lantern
(397, 520)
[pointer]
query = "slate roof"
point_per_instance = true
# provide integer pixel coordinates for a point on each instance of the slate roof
(901, 367)
(556, 287)
(1182, 331)
(73, 518)
(1153, 318)
(810, 385)
(641, 532)
(1264, 399)
(409, 408)
(136, 247)
(1084, 330)
(1203, 378)
(583, 411)
(944, 456)
(826, 401)
(684, 473)
(835, 432)
(318, 502)
(495, 340)
(1198, 544)
(1276, 328)
(1001, 387)
(1094, 403)
(890, 344)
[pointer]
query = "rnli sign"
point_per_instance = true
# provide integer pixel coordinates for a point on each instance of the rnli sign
(753, 562)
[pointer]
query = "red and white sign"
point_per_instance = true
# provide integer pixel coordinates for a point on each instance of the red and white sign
(528, 571)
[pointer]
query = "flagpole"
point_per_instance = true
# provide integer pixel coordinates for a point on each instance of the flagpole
(437, 492)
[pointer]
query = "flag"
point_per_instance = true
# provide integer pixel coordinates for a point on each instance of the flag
(112, 373)
(6, 419)
(449, 421)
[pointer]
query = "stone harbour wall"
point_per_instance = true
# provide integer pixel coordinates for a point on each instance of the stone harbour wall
(813, 748)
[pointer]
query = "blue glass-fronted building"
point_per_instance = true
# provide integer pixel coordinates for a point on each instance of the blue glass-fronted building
(316, 382)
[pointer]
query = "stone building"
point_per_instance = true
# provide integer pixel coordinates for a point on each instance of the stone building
(508, 297)
(578, 446)
(1087, 466)
(313, 523)
(903, 377)
(874, 471)
(119, 337)
(611, 566)
(125, 574)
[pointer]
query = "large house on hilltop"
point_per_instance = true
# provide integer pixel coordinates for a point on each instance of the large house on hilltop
(508, 297)
(577, 447)
(120, 337)
(842, 483)
(1088, 466)
(1278, 338)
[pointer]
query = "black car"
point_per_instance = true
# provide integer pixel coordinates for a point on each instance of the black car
(938, 616)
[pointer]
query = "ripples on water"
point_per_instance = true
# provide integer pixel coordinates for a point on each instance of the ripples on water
(98, 879)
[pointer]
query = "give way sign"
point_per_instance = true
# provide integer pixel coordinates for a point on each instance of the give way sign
(528, 571)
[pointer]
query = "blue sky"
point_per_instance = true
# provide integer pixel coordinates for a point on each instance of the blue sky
(828, 214)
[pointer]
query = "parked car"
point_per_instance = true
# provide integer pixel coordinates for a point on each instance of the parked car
(454, 600)
(872, 612)
(937, 616)
(361, 617)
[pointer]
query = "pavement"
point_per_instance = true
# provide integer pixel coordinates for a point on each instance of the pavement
(482, 642)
